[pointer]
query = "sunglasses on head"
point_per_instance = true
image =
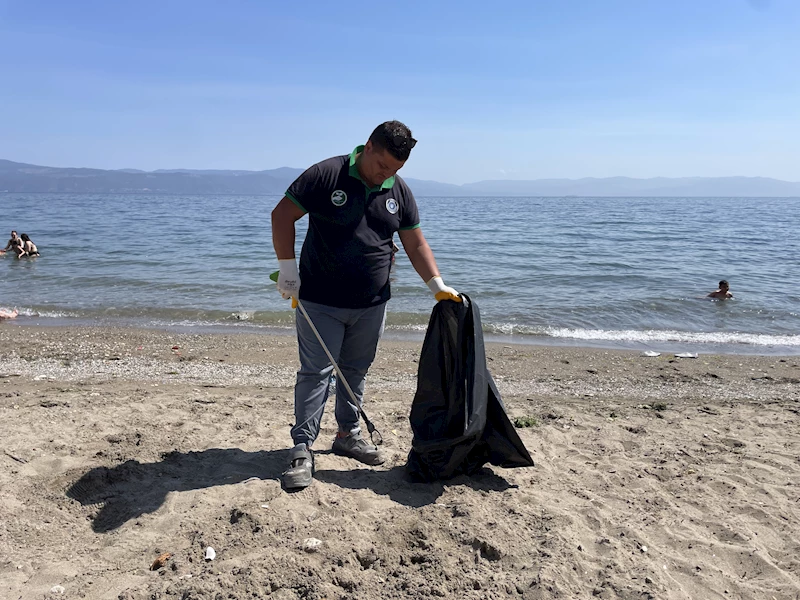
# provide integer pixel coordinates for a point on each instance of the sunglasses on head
(401, 141)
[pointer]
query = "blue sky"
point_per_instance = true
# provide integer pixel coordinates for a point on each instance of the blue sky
(492, 90)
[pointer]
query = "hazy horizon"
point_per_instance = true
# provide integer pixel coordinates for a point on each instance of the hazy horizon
(22, 177)
(403, 174)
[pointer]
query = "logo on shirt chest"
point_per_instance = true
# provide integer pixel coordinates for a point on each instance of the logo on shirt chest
(338, 198)
(392, 206)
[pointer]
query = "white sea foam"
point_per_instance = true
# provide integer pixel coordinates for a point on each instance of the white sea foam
(712, 337)
(243, 315)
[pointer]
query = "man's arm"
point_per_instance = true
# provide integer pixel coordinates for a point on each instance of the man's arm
(419, 253)
(284, 216)
(421, 256)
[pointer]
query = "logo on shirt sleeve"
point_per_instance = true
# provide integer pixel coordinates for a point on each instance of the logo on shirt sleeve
(338, 198)
(392, 205)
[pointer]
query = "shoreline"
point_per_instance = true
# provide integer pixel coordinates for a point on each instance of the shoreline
(655, 477)
(394, 333)
(271, 359)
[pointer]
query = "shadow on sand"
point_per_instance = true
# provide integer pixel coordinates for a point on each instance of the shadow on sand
(396, 484)
(131, 489)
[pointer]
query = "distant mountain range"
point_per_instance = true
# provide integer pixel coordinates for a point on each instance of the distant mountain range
(19, 177)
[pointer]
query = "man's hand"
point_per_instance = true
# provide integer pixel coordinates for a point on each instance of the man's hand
(441, 291)
(288, 278)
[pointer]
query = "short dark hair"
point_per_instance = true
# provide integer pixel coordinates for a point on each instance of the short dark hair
(395, 138)
(724, 283)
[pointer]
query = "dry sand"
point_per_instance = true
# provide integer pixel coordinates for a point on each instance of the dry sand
(655, 477)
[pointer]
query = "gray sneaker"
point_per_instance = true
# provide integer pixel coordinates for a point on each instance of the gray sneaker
(355, 446)
(301, 469)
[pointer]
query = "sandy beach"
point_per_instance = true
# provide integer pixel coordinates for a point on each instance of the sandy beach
(655, 477)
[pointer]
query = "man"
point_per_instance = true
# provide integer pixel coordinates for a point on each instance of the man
(15, 244)
(723, 293)
(355, 203)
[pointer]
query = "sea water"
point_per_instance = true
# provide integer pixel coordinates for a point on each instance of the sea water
(612, 272)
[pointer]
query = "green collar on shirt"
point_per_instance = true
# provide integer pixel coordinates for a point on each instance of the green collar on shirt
(389, 183)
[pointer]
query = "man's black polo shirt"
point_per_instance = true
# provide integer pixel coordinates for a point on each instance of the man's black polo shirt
(347, 253)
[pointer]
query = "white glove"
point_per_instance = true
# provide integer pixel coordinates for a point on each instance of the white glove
(288, 278)
(442, 291)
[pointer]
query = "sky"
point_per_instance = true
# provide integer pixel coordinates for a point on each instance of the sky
(492, 90)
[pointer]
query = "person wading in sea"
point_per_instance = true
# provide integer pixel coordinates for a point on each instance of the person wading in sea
(722, 293)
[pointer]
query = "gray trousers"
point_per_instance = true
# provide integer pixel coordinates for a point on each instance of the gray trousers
(351, 335)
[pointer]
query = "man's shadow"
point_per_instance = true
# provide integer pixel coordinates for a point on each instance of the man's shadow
(397, 485)
(131, 489)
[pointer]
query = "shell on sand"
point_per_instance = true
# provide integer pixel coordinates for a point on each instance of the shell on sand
(160, 561)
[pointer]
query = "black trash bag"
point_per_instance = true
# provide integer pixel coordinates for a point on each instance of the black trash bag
(458, 419)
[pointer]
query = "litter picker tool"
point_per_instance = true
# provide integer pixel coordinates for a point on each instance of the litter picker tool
(374, 434)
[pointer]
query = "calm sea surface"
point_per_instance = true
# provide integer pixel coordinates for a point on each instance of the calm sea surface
(614, 272)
